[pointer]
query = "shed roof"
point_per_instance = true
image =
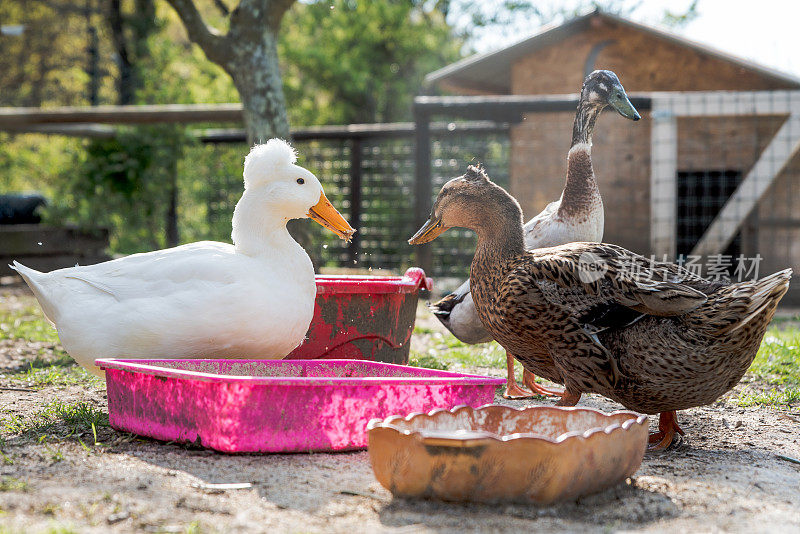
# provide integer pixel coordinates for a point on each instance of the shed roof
(491, 72)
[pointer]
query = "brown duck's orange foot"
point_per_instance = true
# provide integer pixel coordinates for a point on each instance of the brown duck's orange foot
(667, 428)
(513, 391)
(569, 399)
(529, 379)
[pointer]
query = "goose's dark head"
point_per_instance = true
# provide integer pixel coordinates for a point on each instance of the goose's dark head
(602, 88)
(470, 201)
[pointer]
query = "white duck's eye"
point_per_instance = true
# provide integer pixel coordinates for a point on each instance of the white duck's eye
(301, 181)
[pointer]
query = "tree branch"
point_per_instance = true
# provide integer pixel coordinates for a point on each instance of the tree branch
(222, 7)
(277, 8)
(208, 38)
(269, 12)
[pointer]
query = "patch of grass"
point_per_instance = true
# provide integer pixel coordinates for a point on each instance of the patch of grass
(778, 365)
(52, 366)
(428, 361)
(772, 397)
(13, 484)
(59, 420)
(423, 330)
(58, 529)
(56, 375)
(27, 323)
(62, 359)
(786, 319)
(778, 358)
(452, 352)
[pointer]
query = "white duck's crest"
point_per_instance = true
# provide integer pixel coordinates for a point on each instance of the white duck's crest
(261, 164)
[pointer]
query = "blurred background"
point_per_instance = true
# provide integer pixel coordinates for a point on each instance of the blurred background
(124, 123)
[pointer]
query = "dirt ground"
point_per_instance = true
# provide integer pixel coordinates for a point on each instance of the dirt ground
(726, 475)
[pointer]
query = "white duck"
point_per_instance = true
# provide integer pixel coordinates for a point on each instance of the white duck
(252, 299)
(576, 216)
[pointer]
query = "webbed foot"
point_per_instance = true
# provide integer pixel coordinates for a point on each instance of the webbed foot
(667, 428)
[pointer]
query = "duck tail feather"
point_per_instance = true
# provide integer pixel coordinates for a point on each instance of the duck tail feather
(764, 296)
(443, 307)
(34, 279)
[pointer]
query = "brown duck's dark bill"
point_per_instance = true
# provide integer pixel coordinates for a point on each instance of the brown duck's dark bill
(325, 214)
(624, 107)
(429, 231)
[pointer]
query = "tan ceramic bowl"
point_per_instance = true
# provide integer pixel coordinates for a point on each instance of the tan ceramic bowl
(497, 453)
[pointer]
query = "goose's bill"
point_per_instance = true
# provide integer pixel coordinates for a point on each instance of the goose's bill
(325, 214)
(429, 231)
(625, 108)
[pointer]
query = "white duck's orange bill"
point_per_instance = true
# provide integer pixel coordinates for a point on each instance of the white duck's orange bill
(325, 214)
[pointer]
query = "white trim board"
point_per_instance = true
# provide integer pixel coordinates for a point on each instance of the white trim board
(666, 108)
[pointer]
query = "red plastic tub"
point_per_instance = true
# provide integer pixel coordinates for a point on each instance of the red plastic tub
(276, 405)
(363, 317)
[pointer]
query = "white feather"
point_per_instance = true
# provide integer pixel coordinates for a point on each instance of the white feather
(205, 299)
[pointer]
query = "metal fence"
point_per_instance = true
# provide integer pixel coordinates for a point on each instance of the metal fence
(713, 175)
(725, 182)
(708, 179)
(368, 172)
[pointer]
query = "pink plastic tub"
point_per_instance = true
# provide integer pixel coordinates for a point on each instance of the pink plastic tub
(276, 405)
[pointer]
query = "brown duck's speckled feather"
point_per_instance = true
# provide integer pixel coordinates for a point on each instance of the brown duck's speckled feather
(598, 318)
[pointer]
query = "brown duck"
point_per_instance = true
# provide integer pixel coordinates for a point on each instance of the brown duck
(599, 318)
(576, 216)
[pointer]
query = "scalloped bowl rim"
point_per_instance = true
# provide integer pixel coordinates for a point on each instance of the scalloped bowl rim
(445, 436)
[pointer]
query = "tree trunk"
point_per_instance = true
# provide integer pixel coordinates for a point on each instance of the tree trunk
(253, 65)
(249, 53)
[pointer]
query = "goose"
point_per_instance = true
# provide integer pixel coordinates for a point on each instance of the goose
(598, 318)
(250, 299)
(576, 216)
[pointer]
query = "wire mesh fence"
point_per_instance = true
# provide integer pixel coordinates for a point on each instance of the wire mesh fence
(710, 175)
(726, 182)
(386, 193)
(710, 180)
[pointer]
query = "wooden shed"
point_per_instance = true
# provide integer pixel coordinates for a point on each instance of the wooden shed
(712, 171)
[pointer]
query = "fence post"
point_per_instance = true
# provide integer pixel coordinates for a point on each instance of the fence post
(422, 185)
(355, 198)
(172, 207)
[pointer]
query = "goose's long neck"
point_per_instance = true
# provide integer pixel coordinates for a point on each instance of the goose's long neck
(259, 231)
(580, 189)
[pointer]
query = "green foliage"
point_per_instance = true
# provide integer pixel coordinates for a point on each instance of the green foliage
(210, 184)
(48, 64)
(357, 62)
(124, 183)
(35, 162)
